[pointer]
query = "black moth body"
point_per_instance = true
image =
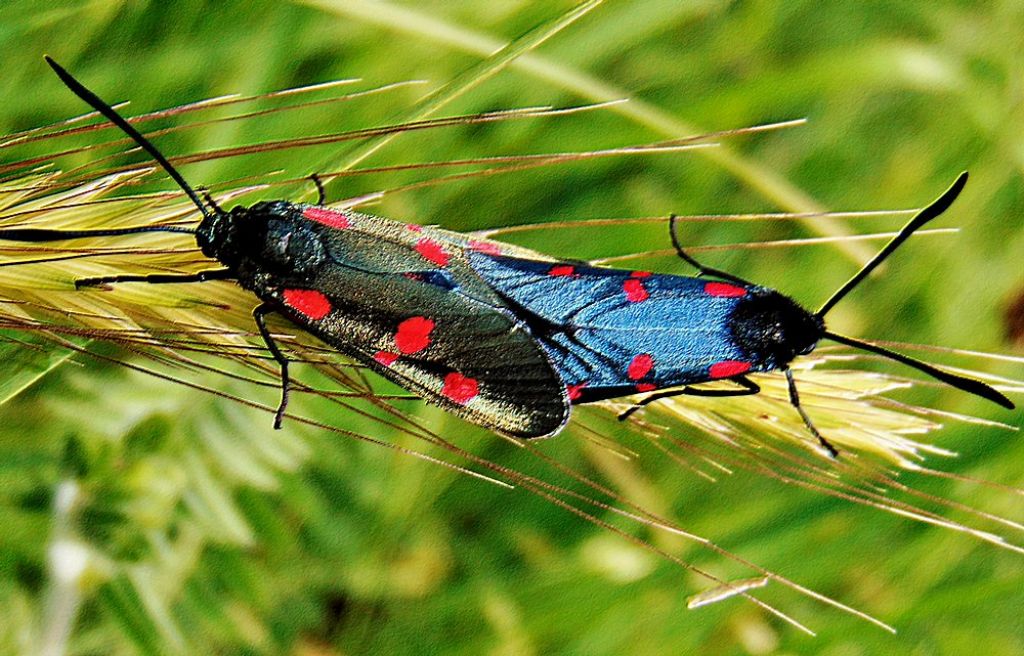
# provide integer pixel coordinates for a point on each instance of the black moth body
(402, 299)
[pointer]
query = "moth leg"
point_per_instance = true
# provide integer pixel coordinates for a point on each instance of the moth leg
(794, 398)
(157, 278)
(689, 259)
(748, 387)
(321, 196)
(258, 315)
(212, 203)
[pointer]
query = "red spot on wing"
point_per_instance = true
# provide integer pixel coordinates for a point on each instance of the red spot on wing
(460, 389)
(412, 227)
(641, 274)
(645, 387)
(386, 358)
(308, 302)
(635, 291)
(640, 366)
(327, 217)
(728, 368)
(413, 334)
(724, 289)
(488, 247)
(432, 251)
(562, 270)
(575, 391)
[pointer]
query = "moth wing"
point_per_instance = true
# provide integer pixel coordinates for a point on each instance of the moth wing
(616, 332)
(472, 358)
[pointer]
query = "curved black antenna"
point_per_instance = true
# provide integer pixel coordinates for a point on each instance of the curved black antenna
(107, 111)
(940, 205)
(969, 385)
(964, 383)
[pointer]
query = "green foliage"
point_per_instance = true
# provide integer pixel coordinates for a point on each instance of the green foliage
(200, 530)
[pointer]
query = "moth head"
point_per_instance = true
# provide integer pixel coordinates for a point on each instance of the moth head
(218, 236)
(271, 237)
(772, 329)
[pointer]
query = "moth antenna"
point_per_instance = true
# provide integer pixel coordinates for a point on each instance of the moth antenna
(940, 205)
(969, 385)
(108, 112)
(43, 234)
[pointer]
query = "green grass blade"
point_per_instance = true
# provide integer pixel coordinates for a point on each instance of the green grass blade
(497, 59)
(763, 180)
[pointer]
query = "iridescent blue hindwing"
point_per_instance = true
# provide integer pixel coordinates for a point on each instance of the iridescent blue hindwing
(613, 332)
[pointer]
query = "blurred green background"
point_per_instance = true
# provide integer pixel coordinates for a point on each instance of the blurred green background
(223, 538)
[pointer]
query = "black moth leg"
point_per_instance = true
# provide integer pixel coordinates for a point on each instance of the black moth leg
(258, 315)
(321, 196)
(794, 398)
(689, 259)
(748, 387)
(157, 278)
(212, 203)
